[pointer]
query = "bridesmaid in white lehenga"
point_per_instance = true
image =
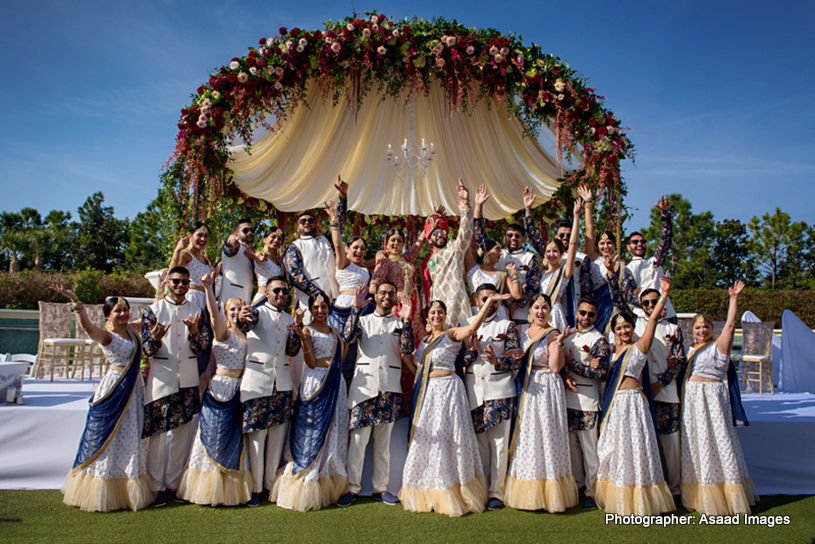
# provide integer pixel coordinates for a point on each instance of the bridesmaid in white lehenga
(443, 469)
(714, 474)
(110, 470)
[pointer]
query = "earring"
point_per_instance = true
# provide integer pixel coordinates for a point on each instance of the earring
(486, 259)
(530, 318)
(427, 327)
(108, 325)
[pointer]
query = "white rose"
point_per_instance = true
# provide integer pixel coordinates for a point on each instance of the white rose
(374, 18)
(350, 27)
(269, 42)
(375, 27)
(202, 124)
(611, 130)
(335, 47)
(451, 41)
(216, 95)
(303, 42)
(559, 85)
(395, 33)
(253, 70)
(300, 48)
(381, 50)
(498, 57)
(289, 44)
(243, 77)
(366, 32)
(262, 51)
(493, 50)
(470, 49)
(234, 65)
(505, 51)
(206, 103)
(561, 96)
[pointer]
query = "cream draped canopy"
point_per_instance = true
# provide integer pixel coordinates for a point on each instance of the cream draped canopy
(295, 166)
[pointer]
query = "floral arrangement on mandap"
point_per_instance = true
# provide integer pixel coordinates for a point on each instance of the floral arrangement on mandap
(350, 58)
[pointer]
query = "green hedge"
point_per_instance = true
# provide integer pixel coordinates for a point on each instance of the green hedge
(768, 305)
(22, 291)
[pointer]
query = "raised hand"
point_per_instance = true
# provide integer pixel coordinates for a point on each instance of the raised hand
(341, 186)
(158, 331)
(578, 206)
(299, 313)
(192, 324)
(245, 312)
(663, 205)
(163, 279)
(584, 193)
(610, 263)
(232, 240)
(481, 195)
(331, 208)
(440, 210)
(182, 243)
(665, 285)
(736, 290)
(360, 296)
(529, 197)
(565, 334)
(407, 306)
(208, 280)
(463, 192)
(64, 292)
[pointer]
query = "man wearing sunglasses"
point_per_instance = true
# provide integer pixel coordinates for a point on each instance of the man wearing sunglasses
(513, 251)
(375, 396)
(309, 260)
(237, 263)
(647, 272)
(176, 336)
(587, 358)
(493, 358)
(443, 270)
(666, 361)
(563, 233)
(266, 386)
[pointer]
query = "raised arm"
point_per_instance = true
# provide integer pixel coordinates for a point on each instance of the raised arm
(557, 358)
(529, 222)
(725, 340)
(97, 334)
(481, 196)
(590, 245)
(647, 338)
(666, 236)
(342, 203)
(572, 254)
(180, 257)
(406, 343)
(465, 227)
(340, 259)
(219, 327)
(459, 334)
(513, 281)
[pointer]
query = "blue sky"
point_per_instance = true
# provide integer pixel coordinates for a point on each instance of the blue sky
(718, 95)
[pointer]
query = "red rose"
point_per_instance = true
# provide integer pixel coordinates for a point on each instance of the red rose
(318, 34)
(397, 331)
(261, 63)
(501, 336)
(405, 30)
(330, 34)
(586, 349)
(295, 31)
(201, 89)
(232, 77)
(282, 31)
(261, 41)
(524, 267)
(602, 131)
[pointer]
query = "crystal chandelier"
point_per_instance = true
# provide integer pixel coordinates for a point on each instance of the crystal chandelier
(413, 162)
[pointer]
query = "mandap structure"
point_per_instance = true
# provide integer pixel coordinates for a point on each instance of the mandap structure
(400, 109)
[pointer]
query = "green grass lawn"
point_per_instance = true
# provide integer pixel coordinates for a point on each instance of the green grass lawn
(40, 517)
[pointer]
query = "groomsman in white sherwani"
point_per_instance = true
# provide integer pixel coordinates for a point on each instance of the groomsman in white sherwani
(491, 362)
(174, 333)
(375, 396)
(237, 263)
(266, 386)
(587, 358)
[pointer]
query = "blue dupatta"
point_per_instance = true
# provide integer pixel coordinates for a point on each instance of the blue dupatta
(220, 425)
(522, 382)
(733, 389)
(602, 294)
(615, 378)
(312, 417)
(106, 414)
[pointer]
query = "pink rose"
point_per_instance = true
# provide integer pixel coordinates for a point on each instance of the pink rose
(395, 33)
(234, 65)
(253, 71)
(278, 71)
(493, 50)
(243, 77)
(350, 27)
(375, 27)
(505, 51)
(366, 32)
(278, 85)
(561, 96)
(300, 48)
(335, 47)
(440, 62)
(470, 49)
(202, 123)
(451, 41)
(381, 50)
(303, 42)
(498, 58)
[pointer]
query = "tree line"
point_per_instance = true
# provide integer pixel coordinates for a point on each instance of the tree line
(770, 251)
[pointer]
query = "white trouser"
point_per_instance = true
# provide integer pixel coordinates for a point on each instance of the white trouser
(493, 445)
(179, 449)
(358, 442)
(671, 450)
(583, 453)
(265, 451)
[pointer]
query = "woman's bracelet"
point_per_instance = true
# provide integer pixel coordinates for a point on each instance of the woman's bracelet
(662, 300)
(335, 224)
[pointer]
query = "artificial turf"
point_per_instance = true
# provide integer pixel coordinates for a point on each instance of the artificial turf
(40, 517)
